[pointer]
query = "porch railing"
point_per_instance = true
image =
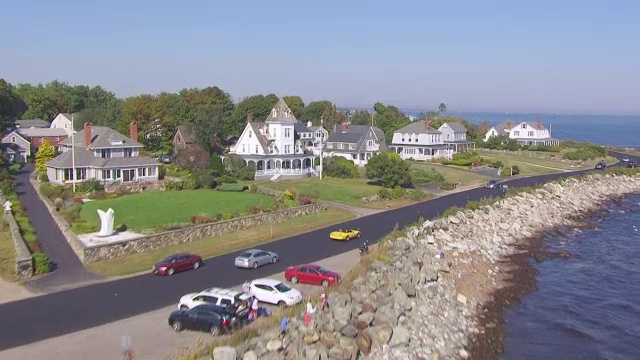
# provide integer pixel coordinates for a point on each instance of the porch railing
(284, 171)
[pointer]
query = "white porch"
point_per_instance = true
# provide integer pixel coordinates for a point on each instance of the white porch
(106, 176)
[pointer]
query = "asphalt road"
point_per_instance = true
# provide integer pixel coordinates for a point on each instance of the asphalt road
(64, 312)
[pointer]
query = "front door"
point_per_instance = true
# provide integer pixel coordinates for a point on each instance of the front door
(128, 175)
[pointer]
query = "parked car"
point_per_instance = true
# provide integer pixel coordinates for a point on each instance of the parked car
(631, 164)
(492, 184)
(625, 159)
(213, 296)
(255, 258)
(601, 165)
(345, 234)
(164, 158)
(311, 274)
(274, 292)
(176, 263)
(210, 318)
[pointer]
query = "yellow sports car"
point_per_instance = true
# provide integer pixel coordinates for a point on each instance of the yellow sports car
(345, 235)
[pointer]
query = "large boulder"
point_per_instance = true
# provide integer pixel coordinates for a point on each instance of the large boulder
(224, 353)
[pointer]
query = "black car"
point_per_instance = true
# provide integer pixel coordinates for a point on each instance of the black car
(493, 184)
(601, 165)
(211, 318)
(631, 164)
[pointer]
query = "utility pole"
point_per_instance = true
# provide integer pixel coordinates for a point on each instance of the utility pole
(321, 144)
(73, 155)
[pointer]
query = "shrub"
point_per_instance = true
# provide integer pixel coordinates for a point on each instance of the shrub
(173, 185)
(202, 219)
(232, 187)
(51, 191)
(506, 171)
(226, 179)
(257, 209)
(44, 178)
(385, 194)
(253, 188)
(227, 216)
(424, 176)
(41, 263)
(397, 193)
(516, 169)
(288, 195)
(447, 186)
(340, 167)
(451, 211)
(206, 181)
(304, 200)
(190, 184)
(162, 172)
(83, 227)
(496, 165)
(90, 185)
(15, 167)
(415, 195)
(71, 214)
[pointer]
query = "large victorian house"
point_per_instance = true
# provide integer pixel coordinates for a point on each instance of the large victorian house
(280, 147)
(357, 143)
(419, 141)
(525, 133)
(103, 154)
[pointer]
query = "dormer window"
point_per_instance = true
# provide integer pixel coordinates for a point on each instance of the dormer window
(274, 113)
(524, 126)
(13, 139)
(115, 142)
(287, 113)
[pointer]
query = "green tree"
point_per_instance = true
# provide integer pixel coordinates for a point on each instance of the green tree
(390, 169)
(296, 104)
(361, 117)
(45, 153)
(340, 167)
(258, 105)
(41, 104)
(11, 105)
(442, 108)
(389, 119)
(317, 110)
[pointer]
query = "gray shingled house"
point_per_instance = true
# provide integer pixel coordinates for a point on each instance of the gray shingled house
(103, 154)
(357, 143)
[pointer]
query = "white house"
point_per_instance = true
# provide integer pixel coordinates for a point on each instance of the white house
(276, 147)
(532, 133)
(16, 147)
(454, 135)
(357, 143)
(502, 128)
(419, 141)
(63, 121)
(103, 154)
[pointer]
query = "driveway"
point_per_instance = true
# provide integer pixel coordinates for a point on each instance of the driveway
(68, 271)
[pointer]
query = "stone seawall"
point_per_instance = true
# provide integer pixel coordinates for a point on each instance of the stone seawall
(192, 233)
(24, 262)
(422, 300)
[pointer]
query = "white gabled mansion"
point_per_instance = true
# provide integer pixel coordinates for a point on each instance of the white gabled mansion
(419, 141)
(357, 143)
(525, 133)
(280, 147)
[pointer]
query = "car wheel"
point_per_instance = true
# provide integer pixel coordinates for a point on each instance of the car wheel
(348, 238)
(255, 265)
(196, 265)
(294, 280)
(177, 326)
(358, 234)
(184, 307)
(170, 272)
(215, 331)
(274, 259)
(282, 304)
(325, 283)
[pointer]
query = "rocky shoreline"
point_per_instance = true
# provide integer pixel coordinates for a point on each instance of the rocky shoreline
(435, 292)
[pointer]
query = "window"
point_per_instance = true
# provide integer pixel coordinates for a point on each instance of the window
(524, 126)
(118, 174)
(13, 139)
(153, 171)
(142, 172)
(448, 136)
(287, 113)
(128, 152)
(65, 126)
(287, 149)
(243, 148)
(225, 302)
(329, 145)
(369, 142)
(274, 113)
(340, 145)
(105, 153)
(106, 174)
(352, 146)
(530, 133)
(287, 133)
(516, 133)
(57, 138)
(256, 149)
(249, 133)
(41, 139)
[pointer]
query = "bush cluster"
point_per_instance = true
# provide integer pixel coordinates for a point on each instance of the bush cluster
(400, 193)
(425, 176)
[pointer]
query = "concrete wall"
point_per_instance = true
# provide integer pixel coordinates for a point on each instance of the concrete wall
(24, 262)
(193, 233)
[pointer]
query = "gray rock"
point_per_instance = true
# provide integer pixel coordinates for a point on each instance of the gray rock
(400, 337)
(349, 331)
(224, 353)
(380, 335)
(274, 345)
(366, 317)
(250, 355)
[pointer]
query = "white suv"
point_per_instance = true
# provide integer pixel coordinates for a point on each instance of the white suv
(274, 292)
(213, 296)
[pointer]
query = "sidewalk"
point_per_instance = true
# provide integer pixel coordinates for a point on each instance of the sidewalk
(13, 292)
(148, 334)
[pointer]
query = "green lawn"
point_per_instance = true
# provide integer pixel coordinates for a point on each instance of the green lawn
(451, 173)
(148, 210)
(223, 244)
(346, 191)
(7, 253)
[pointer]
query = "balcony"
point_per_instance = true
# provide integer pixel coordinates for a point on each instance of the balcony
(284, 171)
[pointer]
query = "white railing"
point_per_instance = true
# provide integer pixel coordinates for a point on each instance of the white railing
(372, 147)
(284, 171)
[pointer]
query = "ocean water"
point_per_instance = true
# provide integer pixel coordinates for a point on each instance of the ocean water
(619, 131)
(586, 307)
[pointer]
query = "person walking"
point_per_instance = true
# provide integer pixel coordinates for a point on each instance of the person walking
(324, 302)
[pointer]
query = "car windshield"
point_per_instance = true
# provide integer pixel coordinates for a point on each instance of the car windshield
(245, 255)
(169, 259)
(323, 270)
(282, 288)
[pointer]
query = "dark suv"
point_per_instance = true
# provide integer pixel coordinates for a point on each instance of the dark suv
(211, 318)
(601, 165)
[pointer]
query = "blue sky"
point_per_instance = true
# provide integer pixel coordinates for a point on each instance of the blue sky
(543, 56)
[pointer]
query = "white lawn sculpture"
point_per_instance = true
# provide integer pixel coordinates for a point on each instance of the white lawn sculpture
(106, 220)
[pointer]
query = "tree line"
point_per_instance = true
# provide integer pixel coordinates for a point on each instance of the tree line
(210, 110)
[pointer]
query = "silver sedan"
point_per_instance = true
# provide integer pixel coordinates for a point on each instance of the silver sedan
(254, 258)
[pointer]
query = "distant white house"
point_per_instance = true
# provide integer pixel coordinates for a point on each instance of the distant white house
(63, 121)
(419, 141)
(357, 143)
(525, 133)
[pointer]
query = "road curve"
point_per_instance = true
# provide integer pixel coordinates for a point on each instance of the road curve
(64, 312)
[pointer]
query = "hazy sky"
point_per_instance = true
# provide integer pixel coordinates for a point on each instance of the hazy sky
(519, 55)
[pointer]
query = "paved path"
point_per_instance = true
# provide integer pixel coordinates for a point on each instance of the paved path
(12, 292)
(68, 270)
(149, 334)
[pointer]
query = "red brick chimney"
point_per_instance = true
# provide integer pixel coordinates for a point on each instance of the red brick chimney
(133, 131)
(250, 117)
(345, 127)
(87, 134)
(539, 124)
(426, 125)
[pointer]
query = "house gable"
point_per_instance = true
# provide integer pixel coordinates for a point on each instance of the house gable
(63, 121)
(281, 113)
(249, 139)
(14, 137)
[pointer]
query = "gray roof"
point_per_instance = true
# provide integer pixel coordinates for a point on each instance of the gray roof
(41, 132)
(417, 127)
(36, 123)
(505, 126)
(261, 138)
(357, 134)
(101, 138)
(456, 126)
(535, 125)
(187, 135)
(283, 113)
(301, 128)
(315, 128)
(11, 148)
(85, 158)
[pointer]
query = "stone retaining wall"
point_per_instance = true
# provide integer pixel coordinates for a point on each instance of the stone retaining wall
(193, 233)
(24, 262)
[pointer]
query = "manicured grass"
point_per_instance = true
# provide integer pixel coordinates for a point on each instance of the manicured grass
(7, 253)
(222, 244)
(346, 191)
(148, 210)
(517, 159)
(451, 173)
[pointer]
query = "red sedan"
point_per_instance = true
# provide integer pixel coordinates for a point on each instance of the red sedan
(311, 274)
(176, 263)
